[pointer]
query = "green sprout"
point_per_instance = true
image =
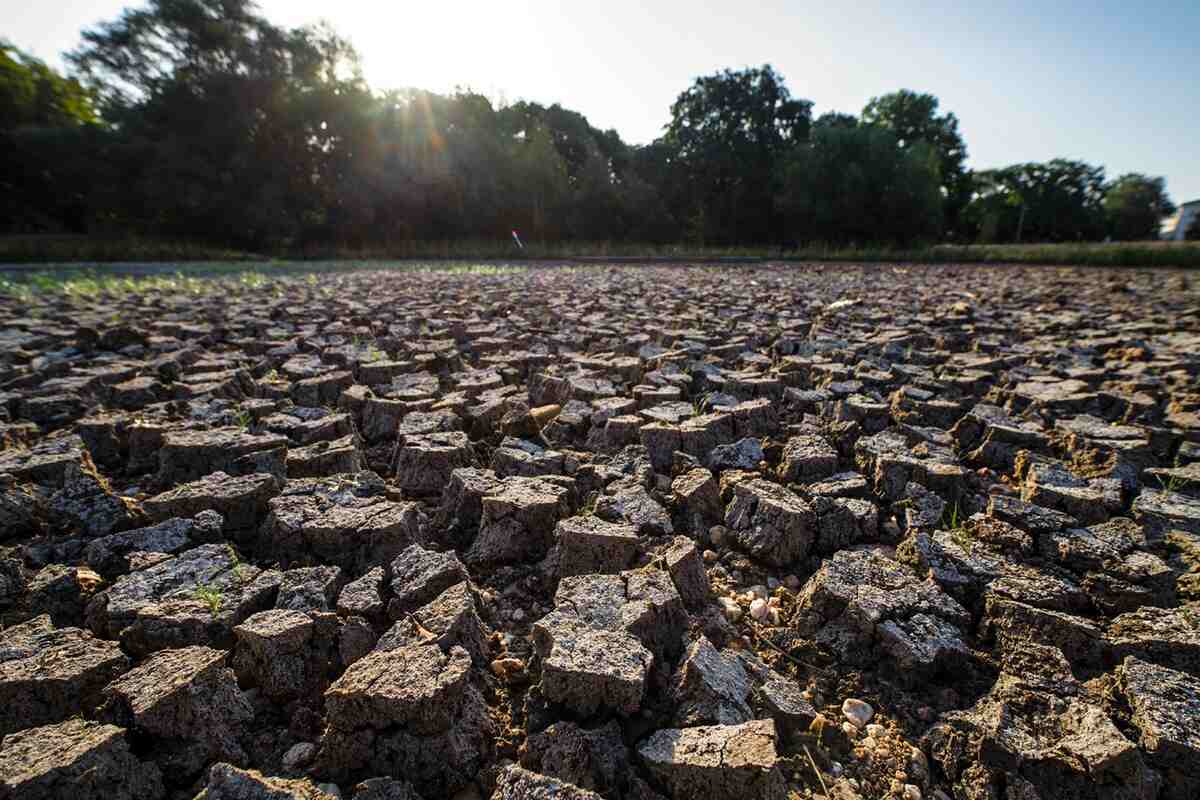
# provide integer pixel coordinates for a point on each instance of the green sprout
(210, 597)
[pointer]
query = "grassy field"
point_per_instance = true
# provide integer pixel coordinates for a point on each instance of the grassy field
(177, 277)
(74, 250)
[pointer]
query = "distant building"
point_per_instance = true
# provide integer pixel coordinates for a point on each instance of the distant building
(1175, 227)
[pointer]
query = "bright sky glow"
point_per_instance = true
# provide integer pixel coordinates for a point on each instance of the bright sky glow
(1109, 82)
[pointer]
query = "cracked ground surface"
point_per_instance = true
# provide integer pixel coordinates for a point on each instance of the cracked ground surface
(621, 532)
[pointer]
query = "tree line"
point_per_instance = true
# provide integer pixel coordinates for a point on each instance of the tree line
(202, 120)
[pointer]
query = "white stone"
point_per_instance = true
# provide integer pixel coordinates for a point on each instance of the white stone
(759, 609)
(857, 711)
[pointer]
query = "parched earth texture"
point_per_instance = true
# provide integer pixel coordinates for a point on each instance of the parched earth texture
(621, 532)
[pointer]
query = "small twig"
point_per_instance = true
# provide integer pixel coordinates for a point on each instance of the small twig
(813, 764)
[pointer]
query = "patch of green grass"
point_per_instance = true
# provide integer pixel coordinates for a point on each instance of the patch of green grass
(213, 598)
(951, 520)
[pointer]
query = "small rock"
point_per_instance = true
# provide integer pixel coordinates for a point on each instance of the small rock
(911, 792)
(792, 582)
(857, 712)
(716, 535)
(299, 755)
(759, 609)
(507, 669)
(710, 557)
(733, 612)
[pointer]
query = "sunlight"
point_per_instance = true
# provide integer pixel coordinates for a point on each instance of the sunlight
(434, 47)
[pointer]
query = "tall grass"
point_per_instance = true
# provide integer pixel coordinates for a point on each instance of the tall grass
(74, 250)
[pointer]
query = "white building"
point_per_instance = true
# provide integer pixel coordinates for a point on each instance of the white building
(1175, 227)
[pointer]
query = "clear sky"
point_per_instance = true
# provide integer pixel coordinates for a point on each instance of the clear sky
(1109, 81)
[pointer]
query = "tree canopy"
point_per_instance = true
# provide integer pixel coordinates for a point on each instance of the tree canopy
(202, 119)
(1135, 206)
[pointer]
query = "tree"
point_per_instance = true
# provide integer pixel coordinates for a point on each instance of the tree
(836, 119)
(1055, 201)
(855, 185)
(49, 147)
(237, 120)
(1135, 206)
(914, 117)
(727, 136)
(32, 93)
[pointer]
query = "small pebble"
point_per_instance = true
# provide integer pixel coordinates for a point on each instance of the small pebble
(517, 615)
(772, 583)
(759, 609)
(911, 792)
(716, 535)
(710, 556)
(733, 612)
(759, 590)
(299, 755)
(792, 582)
(506, 669)
(876, 730)
(850, 729)
(836, 769)
(857, 711)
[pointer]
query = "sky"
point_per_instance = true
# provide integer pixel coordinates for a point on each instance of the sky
(1108, 82)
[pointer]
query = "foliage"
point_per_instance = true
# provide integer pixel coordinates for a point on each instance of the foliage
(914, 118)
(728, 135)
(1135, 206)
(858, 185)
(198, 128)
(1058, 201)
(33, 94)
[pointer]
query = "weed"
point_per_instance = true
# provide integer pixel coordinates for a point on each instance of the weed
(950, 517)
(243, 419)
(213, 598)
